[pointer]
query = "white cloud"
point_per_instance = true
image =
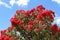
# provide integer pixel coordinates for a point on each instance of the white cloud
(12, 2)
(4, 4)
(22, 2)
(58, 1)
(57, 21)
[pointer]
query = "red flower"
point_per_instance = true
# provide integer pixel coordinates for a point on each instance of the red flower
(33, 14)
(54, 28)
(15, 21)
(28, 13)
(5, 37)
(17, 11)
(32, 10)
(21, 11)
(31, 22)
(50, 12)
(40, 8)
(4, 31)
(51, 18)
(21, 22)
(14, 16)
(39, 17)
(45, 14)
(30, 27)
(10, 28)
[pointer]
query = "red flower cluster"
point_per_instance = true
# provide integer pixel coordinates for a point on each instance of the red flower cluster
(45, 14)
(31, 22)
(28, 27)
(5, 37)
(40, 8)
(15, 21)
(3, 32)
(54, 28)
(28, 17)
(10, 28)
(20, 11)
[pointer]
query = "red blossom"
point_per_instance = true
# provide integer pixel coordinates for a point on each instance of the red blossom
(54, 28)
(21, 22)
(31, 22)
(39, 17)
(22, 11)
(27, 12)
(17, 11)
(10, 28)
(30, 27)
(40, 8)
(33, 13)
(5, 37)
(32, 10)
(4, 31)
(14, 16)
(45, 14)
(15, 21)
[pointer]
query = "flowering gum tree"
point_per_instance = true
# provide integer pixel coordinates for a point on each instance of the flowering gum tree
(34, 24)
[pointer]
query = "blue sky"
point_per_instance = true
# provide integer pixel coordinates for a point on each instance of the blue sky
(9, 7)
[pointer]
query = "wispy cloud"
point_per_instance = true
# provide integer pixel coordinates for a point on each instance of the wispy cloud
(57, 1)
(22, 2)
(4, 4)
(12, 2)
(57, 21)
